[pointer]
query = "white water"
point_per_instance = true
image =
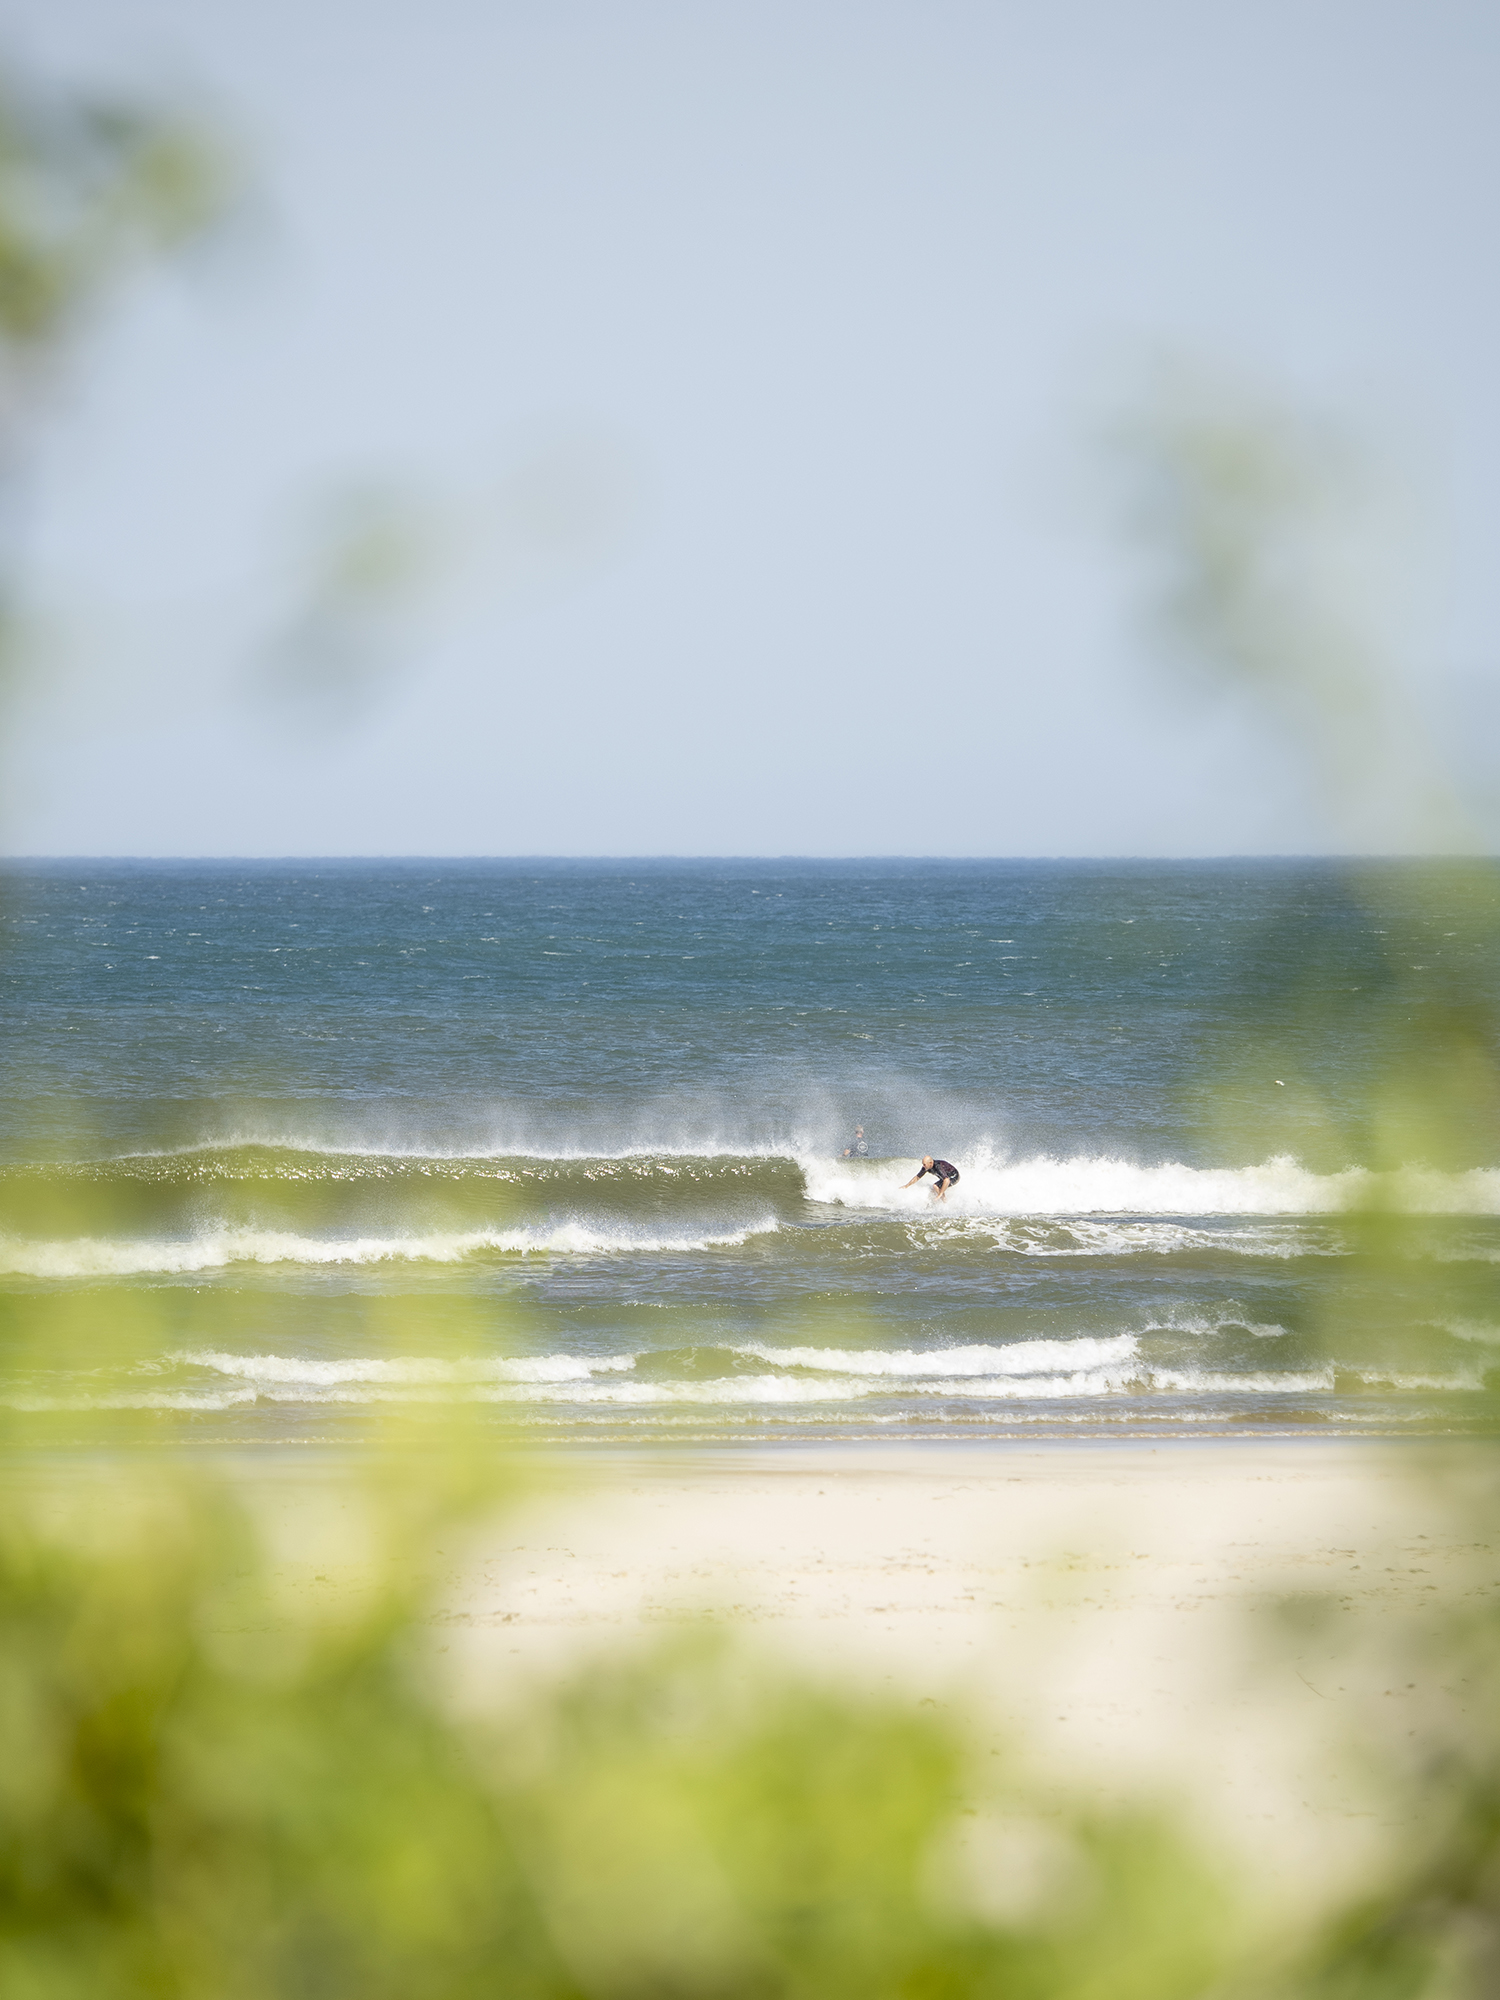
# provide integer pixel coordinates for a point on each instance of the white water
(217, 1248)
(1099, 1185)
(1035, 1371)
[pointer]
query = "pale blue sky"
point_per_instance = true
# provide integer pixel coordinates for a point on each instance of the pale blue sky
(739, 363)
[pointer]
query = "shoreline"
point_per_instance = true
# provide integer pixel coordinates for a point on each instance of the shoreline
(890, 1454)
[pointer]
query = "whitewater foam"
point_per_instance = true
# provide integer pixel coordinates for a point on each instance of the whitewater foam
(771, 1389)
(1083, 1237)
(1085, 1371)
(416, 1370)
(1099, 1185)
(1483, 1331)
(216, 1249)
(1022, 1357)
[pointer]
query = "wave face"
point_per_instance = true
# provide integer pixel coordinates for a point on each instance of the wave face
(289, 1151)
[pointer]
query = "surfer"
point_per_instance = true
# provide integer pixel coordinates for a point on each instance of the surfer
(943, 1171)
(857, 1148)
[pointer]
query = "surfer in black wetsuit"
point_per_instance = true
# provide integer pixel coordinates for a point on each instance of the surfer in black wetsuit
(943, 1171)
(857, 1148)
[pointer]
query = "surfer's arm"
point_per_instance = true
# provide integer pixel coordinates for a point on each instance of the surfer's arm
(914, 1179)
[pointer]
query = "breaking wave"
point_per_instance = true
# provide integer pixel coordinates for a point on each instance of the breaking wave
(1098, 1185)
(747, 1375)
(217, 1249)
(993, 1182)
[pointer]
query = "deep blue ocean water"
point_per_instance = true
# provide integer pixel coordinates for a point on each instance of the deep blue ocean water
(294, 1148)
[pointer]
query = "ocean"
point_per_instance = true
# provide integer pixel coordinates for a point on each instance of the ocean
(298, 1151)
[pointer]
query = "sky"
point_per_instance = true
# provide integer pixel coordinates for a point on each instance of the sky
(729, 387)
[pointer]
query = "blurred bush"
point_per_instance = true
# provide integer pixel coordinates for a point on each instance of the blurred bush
(212, 1783)
(1246, 513)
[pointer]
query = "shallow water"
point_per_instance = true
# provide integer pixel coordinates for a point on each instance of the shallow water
(293, 1147)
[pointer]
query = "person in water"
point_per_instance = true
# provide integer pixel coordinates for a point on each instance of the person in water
(857, 1149)
(943, 1171)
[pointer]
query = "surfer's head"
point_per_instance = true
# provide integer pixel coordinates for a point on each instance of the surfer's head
(927, 1159)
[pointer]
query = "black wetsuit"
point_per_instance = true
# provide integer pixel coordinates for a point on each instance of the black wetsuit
(857, 1149)
(941, 1170)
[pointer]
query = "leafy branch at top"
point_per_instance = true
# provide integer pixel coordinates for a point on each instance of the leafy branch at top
(92, 192)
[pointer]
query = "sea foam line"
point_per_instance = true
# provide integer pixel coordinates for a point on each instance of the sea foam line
(417, 1370)
(940, 1365)
(1086, 1371)
(1087, 1386)
(946, 1364)
(101, 1257)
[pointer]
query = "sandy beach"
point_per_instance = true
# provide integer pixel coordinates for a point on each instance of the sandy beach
(1236, 1627)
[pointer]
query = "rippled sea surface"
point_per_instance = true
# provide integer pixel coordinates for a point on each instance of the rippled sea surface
(293, 1151)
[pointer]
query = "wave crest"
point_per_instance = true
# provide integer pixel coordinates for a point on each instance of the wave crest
(217, 1249)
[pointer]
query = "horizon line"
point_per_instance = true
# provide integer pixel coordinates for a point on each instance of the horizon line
(632, 860)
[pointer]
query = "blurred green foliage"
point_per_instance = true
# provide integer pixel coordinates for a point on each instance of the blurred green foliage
(211, 1785)
(91, 190)
(1274, 575)
(94, 191)
(1232, 496)
(1245, 512)
(368, 560)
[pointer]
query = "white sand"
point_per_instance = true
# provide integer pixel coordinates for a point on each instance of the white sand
(1113, 1612)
